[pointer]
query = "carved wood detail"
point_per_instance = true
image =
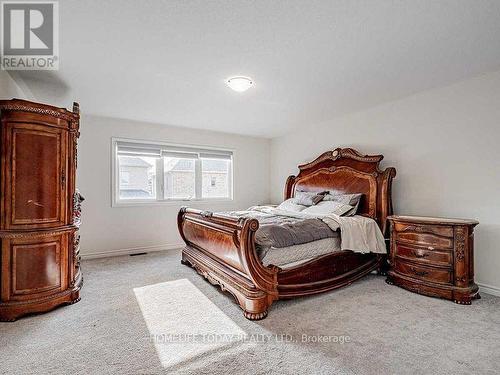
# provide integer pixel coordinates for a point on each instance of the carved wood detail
(39, 234)
(17, 105)
(460, 244)
(341, 153)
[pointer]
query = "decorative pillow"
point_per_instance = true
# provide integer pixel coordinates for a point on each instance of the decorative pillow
(350, 199)
(290, 205)
(329, 207)
(307, 198)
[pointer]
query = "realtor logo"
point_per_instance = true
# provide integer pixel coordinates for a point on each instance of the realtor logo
(30, 35)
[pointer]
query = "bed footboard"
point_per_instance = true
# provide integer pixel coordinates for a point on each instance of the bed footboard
(222, 249)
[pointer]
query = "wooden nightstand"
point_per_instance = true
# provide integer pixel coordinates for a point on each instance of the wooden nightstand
(433, 256)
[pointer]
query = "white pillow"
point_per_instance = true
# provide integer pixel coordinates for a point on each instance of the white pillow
(306, 198)
(350, 199)
(290, 205)
(327, 208)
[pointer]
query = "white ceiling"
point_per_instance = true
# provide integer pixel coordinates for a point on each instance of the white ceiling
(166, 61)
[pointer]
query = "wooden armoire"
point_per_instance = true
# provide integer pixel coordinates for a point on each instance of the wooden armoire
(39, 208)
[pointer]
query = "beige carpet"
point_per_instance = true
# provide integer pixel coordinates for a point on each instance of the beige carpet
(131, 313)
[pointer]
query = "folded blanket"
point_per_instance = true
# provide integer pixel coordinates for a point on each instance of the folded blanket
(298, 232)
(278, 229)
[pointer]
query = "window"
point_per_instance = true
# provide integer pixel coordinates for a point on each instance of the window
(215, 177)
(180, 176)
(137, 177)
(124, 177)
(161, 173)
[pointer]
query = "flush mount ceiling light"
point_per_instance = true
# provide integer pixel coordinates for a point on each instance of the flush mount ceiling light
(240, 83)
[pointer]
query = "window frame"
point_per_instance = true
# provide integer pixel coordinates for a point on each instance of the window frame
(160, 178)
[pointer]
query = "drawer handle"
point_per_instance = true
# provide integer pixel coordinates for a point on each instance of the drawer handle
(419, 273)
(420, 255)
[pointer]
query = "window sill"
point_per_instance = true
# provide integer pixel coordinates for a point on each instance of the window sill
(171, 202)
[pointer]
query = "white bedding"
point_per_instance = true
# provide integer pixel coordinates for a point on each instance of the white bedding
(357, 233)
(296, 254)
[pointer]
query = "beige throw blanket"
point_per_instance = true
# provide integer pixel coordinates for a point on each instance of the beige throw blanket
(358, 233)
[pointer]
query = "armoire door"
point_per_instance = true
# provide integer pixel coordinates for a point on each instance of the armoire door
(35, 266)
(35, 176)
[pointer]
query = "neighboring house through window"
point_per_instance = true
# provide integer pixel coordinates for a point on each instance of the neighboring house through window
(189, 173)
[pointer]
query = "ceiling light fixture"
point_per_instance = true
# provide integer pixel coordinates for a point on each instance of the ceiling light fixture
(240, 83)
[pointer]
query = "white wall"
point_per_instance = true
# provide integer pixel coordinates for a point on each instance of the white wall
(9, 88)
(106, 229)
(444, 144)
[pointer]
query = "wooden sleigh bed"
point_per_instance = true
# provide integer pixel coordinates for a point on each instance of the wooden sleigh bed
(222, 248)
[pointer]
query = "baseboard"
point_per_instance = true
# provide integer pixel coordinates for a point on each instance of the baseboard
(489, 289)
(131, 250)
(483, 288)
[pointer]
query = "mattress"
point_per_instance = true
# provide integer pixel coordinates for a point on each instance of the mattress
(293, 255)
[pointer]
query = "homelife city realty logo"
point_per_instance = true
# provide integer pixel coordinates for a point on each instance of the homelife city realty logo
(30, 35)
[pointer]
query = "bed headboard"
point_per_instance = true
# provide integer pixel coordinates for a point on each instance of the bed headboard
(346, 171)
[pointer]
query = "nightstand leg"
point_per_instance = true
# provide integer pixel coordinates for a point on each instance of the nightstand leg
(383, 268)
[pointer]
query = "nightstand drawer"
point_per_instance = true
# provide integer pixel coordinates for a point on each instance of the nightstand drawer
(433, 275)
(425, 239)
(443, 231)
(428, 256)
